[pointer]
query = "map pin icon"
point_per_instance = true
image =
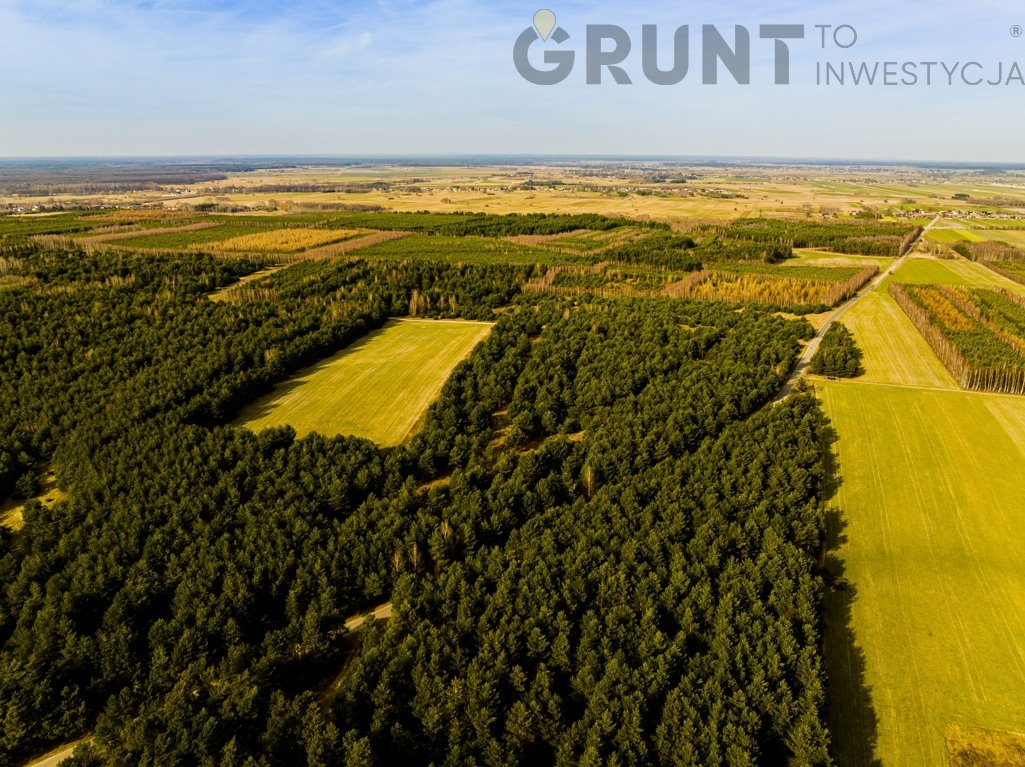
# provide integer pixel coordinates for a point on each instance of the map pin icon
(544, 23)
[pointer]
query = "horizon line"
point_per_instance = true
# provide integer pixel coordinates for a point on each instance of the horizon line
(507, 158)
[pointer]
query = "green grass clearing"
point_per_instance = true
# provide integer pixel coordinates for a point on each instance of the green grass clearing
(953, 235)
(378, 388)
(934, 555)
(469, 250)
(1011, 237)
(954, 271)
(894, 350)
(825, 258)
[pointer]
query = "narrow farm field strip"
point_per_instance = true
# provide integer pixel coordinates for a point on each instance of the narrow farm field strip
(1010, 236)
(956, 271)
(349, 246)
(95, 239)
(930, 630)
(184, 239)
(468, 250)
(953, 236)
(378, 388)
(284, 240)
(811, 257)
(895, 352)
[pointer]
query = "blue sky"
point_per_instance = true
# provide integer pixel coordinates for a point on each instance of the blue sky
(116, 77)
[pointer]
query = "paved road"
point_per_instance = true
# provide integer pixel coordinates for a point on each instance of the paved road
(813, 345)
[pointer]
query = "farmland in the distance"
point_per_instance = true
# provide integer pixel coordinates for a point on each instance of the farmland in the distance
(952, 272)
(285, 240)
(378, 388)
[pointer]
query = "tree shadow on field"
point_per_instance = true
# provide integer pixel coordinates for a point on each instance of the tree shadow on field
(853, 722)
(266, 401)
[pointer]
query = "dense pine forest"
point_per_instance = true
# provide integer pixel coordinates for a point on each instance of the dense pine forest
(601, 546)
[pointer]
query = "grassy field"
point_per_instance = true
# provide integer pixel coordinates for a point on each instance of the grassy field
(286, 240)
(1011, 237)
(925, 635)
(471, 250)
(930, 631)
(957, 271)
(895, 352)
(810, 257)
(379, 388)
(953, 235)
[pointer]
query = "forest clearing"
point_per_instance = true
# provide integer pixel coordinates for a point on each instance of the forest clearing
(378, 388)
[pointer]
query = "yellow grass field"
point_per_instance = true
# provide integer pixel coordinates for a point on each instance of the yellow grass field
(925, 629)
(379, 388)
(930, 631)
(895, 352)
(810, 257)
(956, 271)
(282, 240)
(970, 232)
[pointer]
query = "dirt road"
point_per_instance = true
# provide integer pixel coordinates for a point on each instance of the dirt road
(56, 757)
(813, 345)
